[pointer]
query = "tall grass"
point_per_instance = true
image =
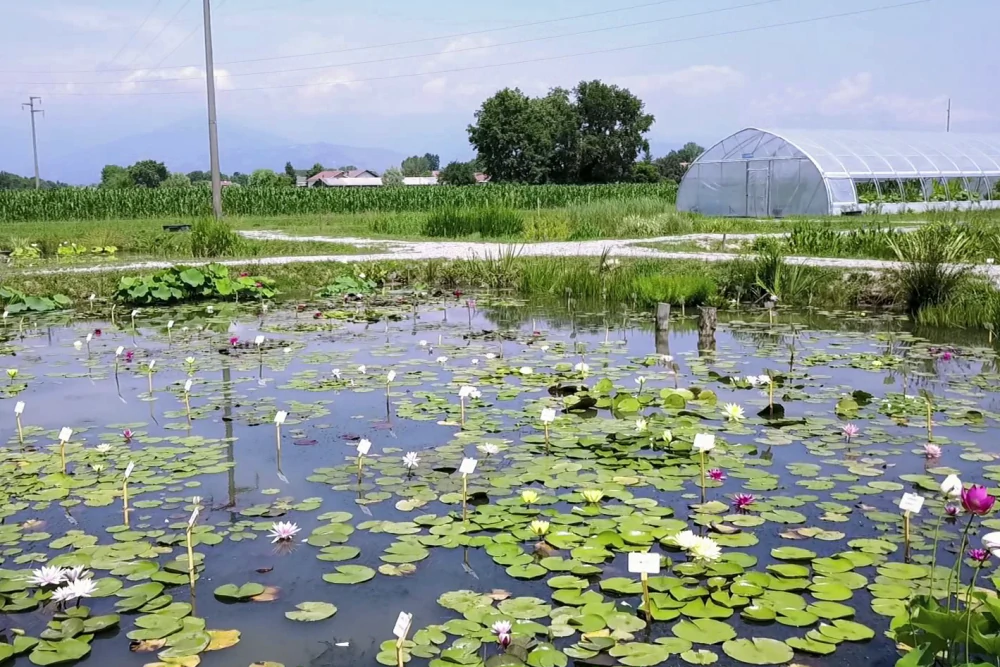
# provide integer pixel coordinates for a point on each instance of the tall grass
(485, 222)
(930, 273)
(214, 238)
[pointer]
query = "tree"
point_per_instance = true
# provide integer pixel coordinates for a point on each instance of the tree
(264, 178)
(199, 176)
(433, 161)
(613, 125)
(9, 181)
(458, 173)
(115, 176)
(349, 167)
(316, 168)
(416, 166)
(592, 134)
(148, 173)
(674, 164)
(645, 172)
(290, 170)
(176, 180)
(240, 179)
(392, 178)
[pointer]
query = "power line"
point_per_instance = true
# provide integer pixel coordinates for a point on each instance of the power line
(137, 30)
(182, 42)
(619, 49)
(758, 3)
(157, 36)
(370, 46)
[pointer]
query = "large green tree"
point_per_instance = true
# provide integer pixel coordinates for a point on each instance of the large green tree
(592, 134)
(265, 178)
(115, 176)
(177, 180)
(148, 173)
(392, 178)
(458, 173)
(416, 165)
(674, 164)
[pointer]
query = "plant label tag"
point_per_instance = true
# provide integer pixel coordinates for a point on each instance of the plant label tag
(644, 563)
(911, 502)
(19, 408)
(280, 418)
(364, 447)
(129, 469)
(187, 387)
(402, 624)
(65, 434)
(258, 341)
(468, 466)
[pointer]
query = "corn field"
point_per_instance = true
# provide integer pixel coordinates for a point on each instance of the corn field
(110, 204)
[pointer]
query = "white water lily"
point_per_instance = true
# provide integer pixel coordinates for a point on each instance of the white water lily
(640, 425)
(491, 355)
(764, 379)
(47, 576)
(467, 391)
(582, 368)
(103, 448)
(336, 373)
(76, 589)
(411, 460)
(705, 550)
(501, 627)
(684, 539)
(475, 362)
(75, 573)
(526, 370)
(529, 496)
(640, 381)
(422, 343)
(78, 345)
(189, 361)
(548, 415)
(952, 486)
(258, 341)
(668, 435)
(362, 369)
(752, 380)
(666, 358)
(545, 348)
(704, 442)
(283, 531)
(97, 467)
(733, 412)
(210, 309)
(489, 449)
(992, 542)
(442, 360)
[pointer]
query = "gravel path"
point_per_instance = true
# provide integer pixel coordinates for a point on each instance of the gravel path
(419, 250)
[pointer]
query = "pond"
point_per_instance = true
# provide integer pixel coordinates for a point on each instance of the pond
(797, 549)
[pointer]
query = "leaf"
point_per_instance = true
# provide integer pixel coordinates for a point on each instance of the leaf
(193, 277)
(222, 639)
(704, 631)
(758, 651)
(311, 611)
(350, 574)
(233, 592)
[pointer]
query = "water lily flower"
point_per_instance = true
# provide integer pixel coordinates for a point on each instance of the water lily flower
(952, 486)
(475, 362)
(752, 380)
(189, 361)
(489, 449)
(716, 475)
(704, 442)
(593, 496)
(362, 369)
(640, 425)
(78, 345)
(545, 348)
(666, 359)
(539, 527)
(850, 431)
(640, 381)
(528, 496)
(75, 573)
(128, 434)
(129, 356)
(733, 412)
(990, 260)
(992, 542)
(582, 368)
(526, 370)
(743, 501)
(12, 373)
(103, 448)
(259, 340)
(47, 576)
(548, 415)
(97, 467)
(491, 355)
(504, 640)
(977, 500)
(411, 460)
(234, 340)
(946, 356)
(442, 360)
(283, 531)
(336, 373)
(952, 511)
(501, 628)
(422, 343)
(668, 435)
(705, 550)
(979, 555)
(932, 451)
(75, 589)
(684, 539)
(466, 391)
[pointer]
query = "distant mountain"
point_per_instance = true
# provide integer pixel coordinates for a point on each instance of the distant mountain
(183, 147)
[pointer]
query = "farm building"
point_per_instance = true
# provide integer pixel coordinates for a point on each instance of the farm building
(762, 173)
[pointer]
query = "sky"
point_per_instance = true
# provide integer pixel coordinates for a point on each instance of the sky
(409, 76)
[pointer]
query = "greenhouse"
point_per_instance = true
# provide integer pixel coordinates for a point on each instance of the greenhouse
(760, 173)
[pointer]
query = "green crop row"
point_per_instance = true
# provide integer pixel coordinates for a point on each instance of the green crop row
(104, 204)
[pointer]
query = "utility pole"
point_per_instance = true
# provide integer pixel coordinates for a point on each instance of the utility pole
(30, 104)
(947, 127)
(213, 128)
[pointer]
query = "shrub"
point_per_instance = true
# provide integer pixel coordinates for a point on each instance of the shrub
(189, 284)
(214, 238)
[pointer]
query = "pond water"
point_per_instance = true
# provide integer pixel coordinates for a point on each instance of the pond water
(814, 566)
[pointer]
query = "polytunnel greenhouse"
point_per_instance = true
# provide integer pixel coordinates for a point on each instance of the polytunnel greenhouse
(760, 173)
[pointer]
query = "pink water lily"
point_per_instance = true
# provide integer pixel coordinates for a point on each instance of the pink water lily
(951, 510)
(234, 340)
(743, 501)
(128, 435)
(932, 451)
(716, 475)
(850, 431)
(979, 555)
(129, 354)
(977, 500)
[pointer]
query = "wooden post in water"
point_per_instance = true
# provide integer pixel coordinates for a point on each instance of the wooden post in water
(662, 316)
(708, 319)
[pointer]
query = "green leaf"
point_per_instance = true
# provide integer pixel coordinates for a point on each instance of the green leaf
(311, 611)
(704, 631)
(758, 651)
(350, 574)
(233, 592)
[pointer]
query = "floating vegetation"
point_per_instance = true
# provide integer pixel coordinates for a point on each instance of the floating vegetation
(525, 495)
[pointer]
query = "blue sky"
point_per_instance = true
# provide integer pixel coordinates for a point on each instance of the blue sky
(100, 74)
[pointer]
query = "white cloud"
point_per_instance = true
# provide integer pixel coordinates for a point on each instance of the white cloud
(694, 81)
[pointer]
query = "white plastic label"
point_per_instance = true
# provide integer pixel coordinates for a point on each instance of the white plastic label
(912, 503)
(468, 466)
(644, 563)
(19, 408)
(65, 434)
(364, 447)
(258, 341)
(280, 417)
(402, 626)
(187, 387)
(129, 469)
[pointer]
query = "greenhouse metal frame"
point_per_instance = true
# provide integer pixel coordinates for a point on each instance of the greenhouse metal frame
(763, 173)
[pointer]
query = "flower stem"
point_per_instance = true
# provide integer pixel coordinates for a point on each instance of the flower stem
(958, 565)
(968, 610)
(937, 535)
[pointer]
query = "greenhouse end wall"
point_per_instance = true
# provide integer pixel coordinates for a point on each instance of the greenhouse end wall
(754, 188)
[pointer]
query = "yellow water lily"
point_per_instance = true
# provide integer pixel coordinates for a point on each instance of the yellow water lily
(529, 496)
(593, 495)
(539, 528)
